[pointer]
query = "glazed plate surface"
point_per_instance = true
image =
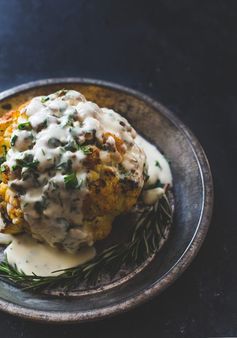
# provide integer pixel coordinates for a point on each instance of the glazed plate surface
(193, 196)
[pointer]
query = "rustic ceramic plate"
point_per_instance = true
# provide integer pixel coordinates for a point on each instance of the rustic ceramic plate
(193, 195)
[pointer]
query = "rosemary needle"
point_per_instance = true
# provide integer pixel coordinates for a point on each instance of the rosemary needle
(143, 242)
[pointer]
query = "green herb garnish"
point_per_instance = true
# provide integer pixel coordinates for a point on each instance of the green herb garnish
(44, 99)
(71, 181)
(85, 149)
(73, 146)
(3, 168)
(25, 126)
(15, 167)
(13, 140)
(3, 158)
(26, 162)
(61, 92)
(158, 164)
(4, 150)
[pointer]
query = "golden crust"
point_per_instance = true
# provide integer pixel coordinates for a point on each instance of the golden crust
(108, 195)
(11, 212)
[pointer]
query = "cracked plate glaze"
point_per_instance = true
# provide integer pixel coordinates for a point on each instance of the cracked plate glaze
(193, 195)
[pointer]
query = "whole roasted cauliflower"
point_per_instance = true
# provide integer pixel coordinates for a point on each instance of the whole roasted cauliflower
(68, 168)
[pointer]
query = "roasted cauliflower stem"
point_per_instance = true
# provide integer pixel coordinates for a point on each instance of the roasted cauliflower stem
(68, 168)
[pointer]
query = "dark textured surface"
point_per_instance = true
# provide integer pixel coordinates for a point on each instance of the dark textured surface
(184, 54)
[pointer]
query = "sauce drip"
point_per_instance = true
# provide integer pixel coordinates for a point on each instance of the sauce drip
(33, 257)
(158, 171)
(5, 239)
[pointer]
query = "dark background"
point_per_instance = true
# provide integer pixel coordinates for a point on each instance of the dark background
(184, 54)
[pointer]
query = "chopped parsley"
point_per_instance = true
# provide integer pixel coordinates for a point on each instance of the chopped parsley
(2, 159)
(3, 168)
(73, 146)
(158, 164)
(25, 126)
(45, 123)
(61, 92)
(4, 150)
(15, 167)
(44, 99)
(26, 162)
(85, 149)
(13, 140)
(71, 181)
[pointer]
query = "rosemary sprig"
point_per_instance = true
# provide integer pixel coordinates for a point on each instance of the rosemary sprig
(144, 241)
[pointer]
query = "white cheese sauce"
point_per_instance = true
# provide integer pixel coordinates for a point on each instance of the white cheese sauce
(5, 239)
(158, 171)
(33, 257)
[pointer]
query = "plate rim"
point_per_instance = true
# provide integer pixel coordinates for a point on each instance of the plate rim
(184, 260)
